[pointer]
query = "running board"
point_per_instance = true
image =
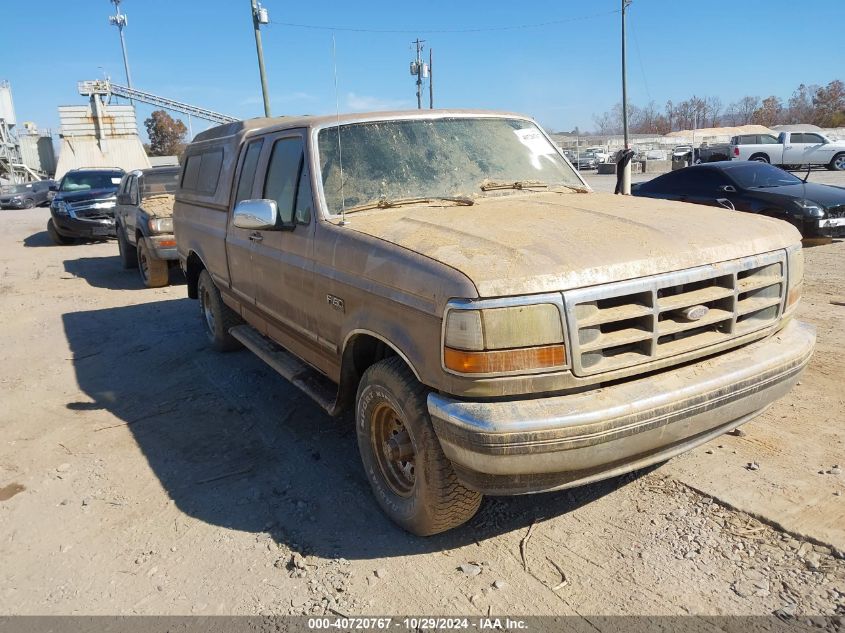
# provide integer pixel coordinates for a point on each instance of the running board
(314, 384)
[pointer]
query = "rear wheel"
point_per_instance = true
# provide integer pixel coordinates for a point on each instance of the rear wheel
(57, 237)
(29, 203)
(217, 317)
(154, 271)
(838, 162)
(128, 254)
(412, 480)
(760, 158)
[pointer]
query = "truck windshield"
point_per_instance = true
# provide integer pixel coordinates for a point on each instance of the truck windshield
(85, 180)
(160, 182)
(754, 175)
(434, 158)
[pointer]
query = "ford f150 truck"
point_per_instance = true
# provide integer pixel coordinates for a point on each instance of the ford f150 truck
(792, 149)
(497, 327)
(144, 223)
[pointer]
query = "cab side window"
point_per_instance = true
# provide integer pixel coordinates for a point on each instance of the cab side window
(303, 198)
(132, 189)
(247, 177)
(813, 138)
(283, 176)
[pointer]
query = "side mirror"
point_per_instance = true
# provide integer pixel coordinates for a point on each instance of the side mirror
(727, 189)
(258, 215)
(53, 188)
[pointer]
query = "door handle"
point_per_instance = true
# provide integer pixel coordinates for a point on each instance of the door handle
(256, 237)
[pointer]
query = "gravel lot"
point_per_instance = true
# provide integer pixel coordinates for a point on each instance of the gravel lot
(143, 473)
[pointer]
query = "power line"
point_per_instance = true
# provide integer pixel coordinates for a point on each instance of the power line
(487, 29)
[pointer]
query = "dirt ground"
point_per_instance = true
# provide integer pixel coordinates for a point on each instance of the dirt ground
(143, 473)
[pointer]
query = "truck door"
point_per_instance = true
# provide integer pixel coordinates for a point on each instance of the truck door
(240, 242)
(283, 259)
(817, 151)
(795, 149)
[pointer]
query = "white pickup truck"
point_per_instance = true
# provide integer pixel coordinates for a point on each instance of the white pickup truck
(791, 149)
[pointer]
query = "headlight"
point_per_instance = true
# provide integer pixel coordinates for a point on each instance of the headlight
(503, 340)
(812, 209)
(795, 276)
(161, 225)
(59, 207)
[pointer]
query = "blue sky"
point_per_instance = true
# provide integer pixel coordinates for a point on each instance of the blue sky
(203, 52)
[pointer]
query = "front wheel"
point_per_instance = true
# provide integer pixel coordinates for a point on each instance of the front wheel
(57, 237)
(154, 271)
(838, 162)
(29, 204)
(217, 317)
(128, 254)
(413, 481)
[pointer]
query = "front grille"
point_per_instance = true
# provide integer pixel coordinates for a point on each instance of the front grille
(92, 209)
(623, 324)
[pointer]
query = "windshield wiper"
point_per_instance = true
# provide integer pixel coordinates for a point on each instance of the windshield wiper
(387, 203)
(492, 185)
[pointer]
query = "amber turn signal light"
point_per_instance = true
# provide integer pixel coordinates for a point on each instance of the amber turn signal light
(506, 360)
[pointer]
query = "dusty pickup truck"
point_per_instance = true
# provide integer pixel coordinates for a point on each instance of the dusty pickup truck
(791, 149)
(497, 327)
(144, 223)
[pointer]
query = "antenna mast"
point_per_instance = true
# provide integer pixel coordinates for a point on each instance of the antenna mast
(120, 21)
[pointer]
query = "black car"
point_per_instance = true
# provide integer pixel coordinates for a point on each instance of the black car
(83, 206)
(27, 195)
(816, 210)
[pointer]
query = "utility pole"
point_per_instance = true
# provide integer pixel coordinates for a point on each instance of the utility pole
(261, 16)
(419, 69)
(120, 21)
(626, 170)
(430, 79)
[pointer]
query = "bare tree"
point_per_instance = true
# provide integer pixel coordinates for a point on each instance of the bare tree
(829, 105)
(769, 113)
(744, 109)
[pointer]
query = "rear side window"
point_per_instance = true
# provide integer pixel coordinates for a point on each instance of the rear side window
(813, 138)
(283, 175)
(202, 172)
(192, 170)
(247, 177)
(767, 139)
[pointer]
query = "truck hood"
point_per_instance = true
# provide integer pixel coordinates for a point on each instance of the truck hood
(87, 194)
(542, 242)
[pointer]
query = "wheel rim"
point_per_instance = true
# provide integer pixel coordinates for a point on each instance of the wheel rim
(394, 450)
(759, 159)
(207, 312)
(143, 263)
(839, 162)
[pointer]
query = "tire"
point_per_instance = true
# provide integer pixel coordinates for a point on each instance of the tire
(128, 253)
(792, 167)
(29, 204)
(838, 162)
(421, 493)
(760, 158)
(57, 237)
(154, 271)
(217, 317)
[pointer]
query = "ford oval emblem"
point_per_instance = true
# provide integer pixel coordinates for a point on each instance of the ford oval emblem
(695, 313)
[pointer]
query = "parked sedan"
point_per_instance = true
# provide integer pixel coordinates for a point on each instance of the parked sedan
(27, 195)
(816, 210)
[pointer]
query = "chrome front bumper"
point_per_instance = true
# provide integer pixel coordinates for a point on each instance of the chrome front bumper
(526, 446)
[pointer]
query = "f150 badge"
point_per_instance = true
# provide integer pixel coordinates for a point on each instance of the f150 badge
(335, 302)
